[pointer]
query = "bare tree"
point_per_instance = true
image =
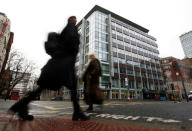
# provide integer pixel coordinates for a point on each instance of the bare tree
(20, 68)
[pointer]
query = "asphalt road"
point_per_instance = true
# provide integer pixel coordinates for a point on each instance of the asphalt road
(149, 114)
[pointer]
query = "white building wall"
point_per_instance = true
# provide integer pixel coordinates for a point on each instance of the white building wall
(186, 41)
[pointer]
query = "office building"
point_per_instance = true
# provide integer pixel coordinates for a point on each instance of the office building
(128, 55)
(186, 42)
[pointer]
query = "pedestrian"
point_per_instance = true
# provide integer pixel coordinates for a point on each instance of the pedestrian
(92, 93)
(59, 71)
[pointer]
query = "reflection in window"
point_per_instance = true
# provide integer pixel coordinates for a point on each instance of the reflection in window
(105, 69)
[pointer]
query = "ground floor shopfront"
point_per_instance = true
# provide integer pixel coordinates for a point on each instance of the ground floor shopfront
(123, 94)
(110, 94)
(128, 87)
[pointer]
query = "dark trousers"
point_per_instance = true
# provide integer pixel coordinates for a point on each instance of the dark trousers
(90, 106)
(32, 95)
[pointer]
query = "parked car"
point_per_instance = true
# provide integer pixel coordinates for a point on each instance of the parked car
(190, 95)
(57, 98)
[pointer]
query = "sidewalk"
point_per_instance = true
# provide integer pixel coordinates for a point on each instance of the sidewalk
(62, 124)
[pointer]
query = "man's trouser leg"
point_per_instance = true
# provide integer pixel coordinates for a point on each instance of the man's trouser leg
(26, 100)
(74, 97)
(21, 107)
(77, 114)
(90, 107)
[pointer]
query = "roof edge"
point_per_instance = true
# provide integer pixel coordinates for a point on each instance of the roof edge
(99, 8)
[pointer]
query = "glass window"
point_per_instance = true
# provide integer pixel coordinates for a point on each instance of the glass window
(148, 67)
(115, 70)
(115, 59)
(86, 49)
(122, 61)
(115, 83)
(105, 81)
(87, 23)
(87, 39)
(113, 32)
(123, 70)
(122, 83)
(137, 73)
(142, 65)
(1, 27)
(105, 69)
(129, 72)
(87, 31)
(112, 23)
(86, 59)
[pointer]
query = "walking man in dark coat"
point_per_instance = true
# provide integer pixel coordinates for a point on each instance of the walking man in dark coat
(59, 71)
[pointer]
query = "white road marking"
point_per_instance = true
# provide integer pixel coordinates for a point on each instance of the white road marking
(170, 121)
(113, 116)
(150, 119)
(133, 118)
(190, 119)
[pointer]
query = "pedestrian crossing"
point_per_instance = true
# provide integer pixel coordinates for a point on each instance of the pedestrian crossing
(61, 106)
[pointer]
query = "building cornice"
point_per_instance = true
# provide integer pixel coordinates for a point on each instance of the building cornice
(98, 8)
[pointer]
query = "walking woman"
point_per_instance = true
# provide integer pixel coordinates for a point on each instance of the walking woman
(92, 93)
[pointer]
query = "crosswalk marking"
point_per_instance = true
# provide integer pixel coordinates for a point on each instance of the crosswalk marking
(150, 119)
(133, 118)
(51, 107)
(58, 109)
(62, 107)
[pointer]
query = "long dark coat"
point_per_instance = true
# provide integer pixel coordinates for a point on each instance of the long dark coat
(92, 93)
(59, 70)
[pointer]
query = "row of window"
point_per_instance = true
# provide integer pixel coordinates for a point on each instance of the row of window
(137, 64)
(137, 73)
(136, 46)
(135, 84)
(101, 36)
(132, 39)
(133, 32)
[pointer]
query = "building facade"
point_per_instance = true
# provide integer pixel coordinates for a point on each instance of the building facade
(128, 55)
(186, 42)
(6, 40)
(5, 36)
(171, 77)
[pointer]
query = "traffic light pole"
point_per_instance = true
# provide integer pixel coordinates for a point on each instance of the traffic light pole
(177, 69)
(182, 80)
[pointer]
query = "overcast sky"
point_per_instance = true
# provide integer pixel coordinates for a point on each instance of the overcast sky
(31, 20)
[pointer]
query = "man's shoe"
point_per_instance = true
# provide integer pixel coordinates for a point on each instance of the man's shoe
(21, 111)
(80, 116)
(90, 108)
(26, 117)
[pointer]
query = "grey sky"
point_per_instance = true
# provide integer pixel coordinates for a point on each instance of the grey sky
(31, 20)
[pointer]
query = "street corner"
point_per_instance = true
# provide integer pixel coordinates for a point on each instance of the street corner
(63, 124)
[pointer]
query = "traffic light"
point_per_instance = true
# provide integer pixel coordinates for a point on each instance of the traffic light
(175, 66)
